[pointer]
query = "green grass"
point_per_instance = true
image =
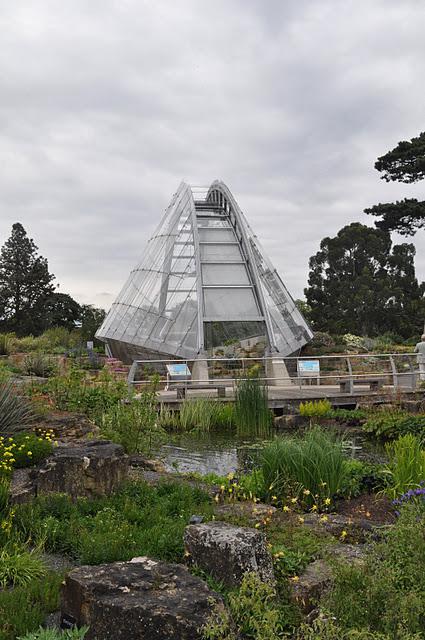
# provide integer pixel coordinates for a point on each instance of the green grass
(406, 467)
(314, 463)
(252, 414)
(139, 520)
(24, 609)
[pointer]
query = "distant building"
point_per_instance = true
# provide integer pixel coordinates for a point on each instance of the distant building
(203, 282)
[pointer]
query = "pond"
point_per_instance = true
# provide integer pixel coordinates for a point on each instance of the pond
(223, 452)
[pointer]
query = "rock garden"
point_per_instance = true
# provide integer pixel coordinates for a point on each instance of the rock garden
(99, 540)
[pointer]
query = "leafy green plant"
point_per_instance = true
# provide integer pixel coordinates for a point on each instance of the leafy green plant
(312, 468)
(53, 634)
(6, 343)
(15, 410)
(30, 449)
(203, 414)
(316, 408)
(134, 424)
(389, 425)
(254, 612)
(38, 364)
(406, 466)
(252, 414)
(18, 566)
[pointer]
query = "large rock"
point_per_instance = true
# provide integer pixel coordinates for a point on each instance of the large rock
(92, 469)
(315, 580)
(228, 552)
(138, 600)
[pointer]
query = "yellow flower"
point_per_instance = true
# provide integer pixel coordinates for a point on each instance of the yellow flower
(257, 525)
(314, 507)
(343, 534)
(274, 498)
(286, 508)
(295, 578)
(306, 492)
(300, 520)
(216, 498)
(222, 487)
(293, 500)
(324, 519)
(29, 453)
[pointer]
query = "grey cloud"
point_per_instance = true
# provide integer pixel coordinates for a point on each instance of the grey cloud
(106, 106)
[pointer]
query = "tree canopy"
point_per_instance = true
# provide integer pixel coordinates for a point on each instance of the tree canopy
(404, 163)
(360, 283)
(25, 284)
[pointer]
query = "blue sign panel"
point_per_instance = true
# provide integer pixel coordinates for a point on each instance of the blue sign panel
(178, 371)
(309, 367)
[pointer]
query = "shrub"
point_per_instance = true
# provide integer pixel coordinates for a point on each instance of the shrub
(252, 414)
(15, 410)
(406, 467)
(30, 449)
(253, 611)
(37, 364)
(18, 566)
(315, 408)
(321, 339)
(134, 425)
(313, 465)
(328, 629)
(393, 424)
(6, 343)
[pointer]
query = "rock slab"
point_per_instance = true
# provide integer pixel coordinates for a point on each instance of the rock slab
(228, 552)
(91, 469)
(137, 600)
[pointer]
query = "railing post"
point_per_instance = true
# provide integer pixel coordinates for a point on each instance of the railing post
(132, 374)
(350, 372)
(394, 372)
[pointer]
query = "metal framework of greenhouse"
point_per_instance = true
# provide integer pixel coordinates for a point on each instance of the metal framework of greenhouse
(203, 281)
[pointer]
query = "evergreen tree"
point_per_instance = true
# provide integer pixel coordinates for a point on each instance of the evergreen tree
(25, 284)
(61, 310)
(404, 163)
(359, 283)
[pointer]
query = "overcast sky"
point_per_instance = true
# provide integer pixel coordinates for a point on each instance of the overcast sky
(106, 105)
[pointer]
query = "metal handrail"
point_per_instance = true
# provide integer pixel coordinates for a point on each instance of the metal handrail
(341, 377)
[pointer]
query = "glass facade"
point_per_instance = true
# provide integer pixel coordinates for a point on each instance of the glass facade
(203, 276)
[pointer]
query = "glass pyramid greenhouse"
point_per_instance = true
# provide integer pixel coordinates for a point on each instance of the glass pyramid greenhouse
(203, 281)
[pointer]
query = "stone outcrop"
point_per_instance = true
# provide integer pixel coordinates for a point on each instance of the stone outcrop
(250, 512)
(137, 600)
(307, 590)
(228, 552)
(357, 530)
(91, 469)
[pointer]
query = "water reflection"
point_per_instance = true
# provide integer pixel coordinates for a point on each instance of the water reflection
(224, 452)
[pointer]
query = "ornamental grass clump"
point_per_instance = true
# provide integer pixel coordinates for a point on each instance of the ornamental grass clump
(6, 343)
(311, 469)
(252, 414)
(406, 466)
(15, 410)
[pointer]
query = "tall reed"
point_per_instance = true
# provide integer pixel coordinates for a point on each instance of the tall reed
(203, 414)
(406, 467)
(308, 466)
(252, 413)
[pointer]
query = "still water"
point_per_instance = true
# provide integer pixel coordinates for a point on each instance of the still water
(225, 452)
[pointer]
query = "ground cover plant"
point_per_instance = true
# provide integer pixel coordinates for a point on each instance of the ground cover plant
(53, 634)
(389, 425)
(385, 594)
(138, 520)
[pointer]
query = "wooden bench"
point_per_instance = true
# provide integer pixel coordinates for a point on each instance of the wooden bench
(182, 389)
(375, 384)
